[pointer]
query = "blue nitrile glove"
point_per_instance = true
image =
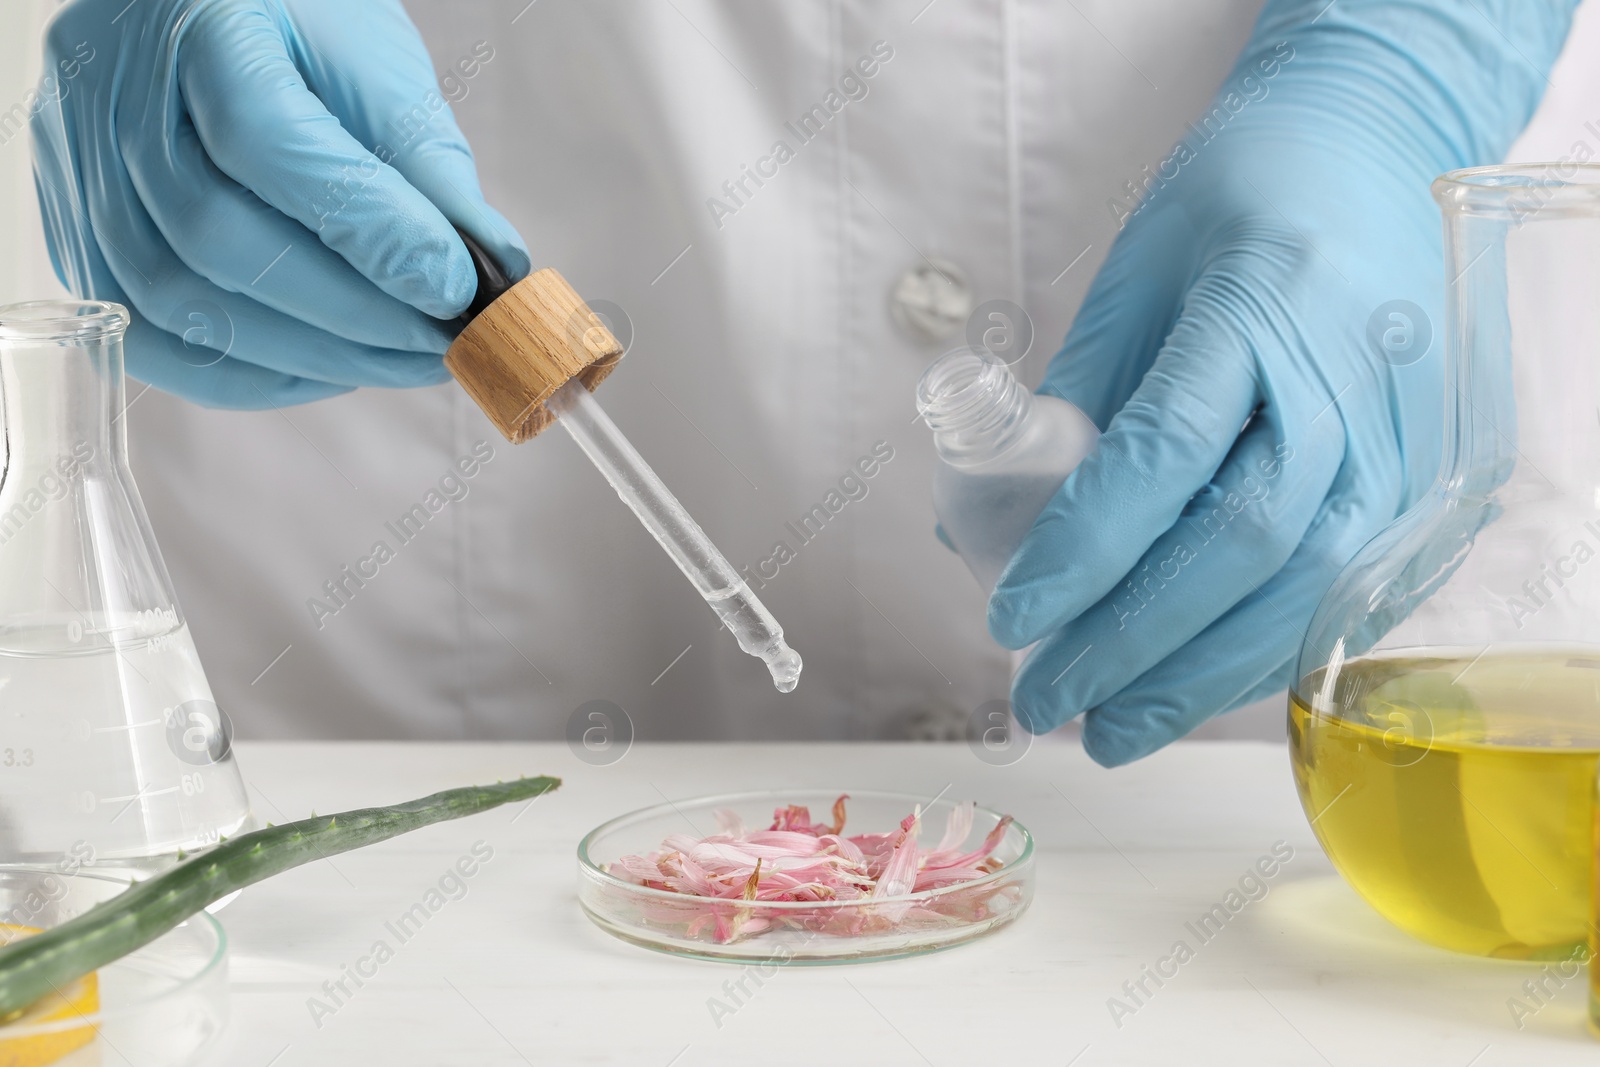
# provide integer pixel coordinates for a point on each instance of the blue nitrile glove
(1267, 407)
(269, 185)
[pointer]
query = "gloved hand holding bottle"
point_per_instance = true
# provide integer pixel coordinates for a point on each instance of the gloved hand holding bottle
(270, 186)
(1261, 422)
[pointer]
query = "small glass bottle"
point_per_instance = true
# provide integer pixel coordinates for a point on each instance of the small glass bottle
(1003, 454)
(112, 750)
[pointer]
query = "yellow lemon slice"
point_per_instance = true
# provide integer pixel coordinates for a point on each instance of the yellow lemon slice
(77, 1000)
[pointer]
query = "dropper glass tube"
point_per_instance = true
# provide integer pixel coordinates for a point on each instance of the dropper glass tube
(757, 632)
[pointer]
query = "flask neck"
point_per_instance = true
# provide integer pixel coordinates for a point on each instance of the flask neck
(974, 405)
(61, 407)
(1522, 320)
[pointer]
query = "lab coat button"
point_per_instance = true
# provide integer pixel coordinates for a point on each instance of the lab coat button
(931, 301)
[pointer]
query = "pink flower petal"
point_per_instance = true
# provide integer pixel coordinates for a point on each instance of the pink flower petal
(798, 860)
(901, 872)
(990, 842)
(957, 827)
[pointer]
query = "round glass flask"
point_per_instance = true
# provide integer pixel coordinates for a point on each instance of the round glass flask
(1445, 726)
(112, 750)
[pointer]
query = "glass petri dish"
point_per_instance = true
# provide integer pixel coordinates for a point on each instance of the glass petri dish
(804, 932)
(167, 1003)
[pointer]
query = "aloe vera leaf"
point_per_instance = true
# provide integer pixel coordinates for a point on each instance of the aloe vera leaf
(38, 965)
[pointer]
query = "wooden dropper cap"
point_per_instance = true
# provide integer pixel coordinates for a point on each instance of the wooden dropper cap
(521, 342)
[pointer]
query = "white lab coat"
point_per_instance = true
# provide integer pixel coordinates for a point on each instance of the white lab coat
(766, 369)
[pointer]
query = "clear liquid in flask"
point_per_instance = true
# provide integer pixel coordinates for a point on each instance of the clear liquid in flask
(117, 752)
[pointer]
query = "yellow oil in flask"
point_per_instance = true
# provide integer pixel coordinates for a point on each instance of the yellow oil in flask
(1457, 794)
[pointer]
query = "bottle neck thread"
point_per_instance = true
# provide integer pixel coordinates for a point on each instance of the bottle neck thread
(974, 405)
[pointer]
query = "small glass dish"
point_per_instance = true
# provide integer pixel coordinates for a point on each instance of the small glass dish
(843, 931)
(166, 1003)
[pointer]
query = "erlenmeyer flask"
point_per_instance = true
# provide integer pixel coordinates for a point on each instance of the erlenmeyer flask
(111, 747)
(1445, 728)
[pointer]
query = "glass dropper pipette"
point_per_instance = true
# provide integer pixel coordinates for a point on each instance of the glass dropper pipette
(757, 632)
(485, 368)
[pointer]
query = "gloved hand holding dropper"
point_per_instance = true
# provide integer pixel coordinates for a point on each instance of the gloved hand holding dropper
(272, 187)
(259, 123)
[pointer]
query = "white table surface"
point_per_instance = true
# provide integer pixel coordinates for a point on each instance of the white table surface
(513, 972)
